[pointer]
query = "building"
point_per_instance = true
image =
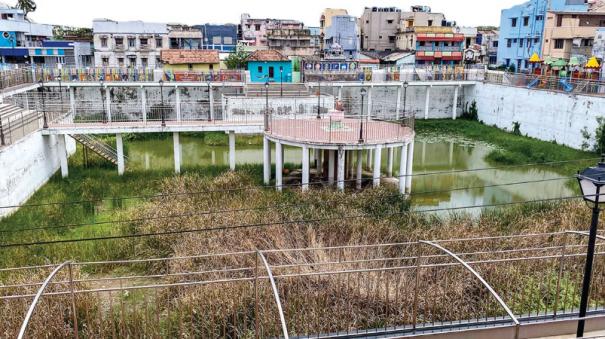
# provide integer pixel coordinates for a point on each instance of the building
(129, 43)
(598, 47)
(315, 37)
(184, 37)
(20, 36)
(570, 34)
(269, 65)
(342, 36)
(289, 37)
(71, 53)
(488, 40)
(379, 27)
(219, 37)
(325, 21)
(522, 28)
(439, 46)
(422, 17)
(180, 60)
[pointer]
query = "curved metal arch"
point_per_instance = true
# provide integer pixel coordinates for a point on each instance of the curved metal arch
(483, 281)
(32, 307)
(282, 318)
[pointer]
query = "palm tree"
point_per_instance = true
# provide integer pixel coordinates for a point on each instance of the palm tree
(27, 6)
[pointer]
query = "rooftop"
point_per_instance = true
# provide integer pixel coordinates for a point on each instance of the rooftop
(180, 56)
(269, 55)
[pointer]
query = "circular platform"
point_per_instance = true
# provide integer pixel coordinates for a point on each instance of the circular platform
(339, 131)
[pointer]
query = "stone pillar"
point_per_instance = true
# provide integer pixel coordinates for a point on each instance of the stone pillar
(120, 153)
(72, 100)
(451, 159)
(403, 169)
(340, 93)
(359, 169)
(341, 169)
(331, 165)
(279, 166)
(427, 102)
(318, 163)
(390, 156)
(266, 161)
(62, 145)
(455, 104)
(144, 104)
(211, 100)
(377, 165)
(409, 170)
(398, 108)
(177, 93)
(108, 104)
(305, 168)
(177, 152)
(232, 150)
(369, 159)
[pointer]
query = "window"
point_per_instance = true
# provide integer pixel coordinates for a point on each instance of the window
(216, 40)
(559, 43)
(144, 41)
(430, 23)
(119, 42)
(392, 39)
(105, 61)
(559, 20)
(380, 37)
(132, 61)
(260, 69)
(525, 21)
(507, 62)
(103, 42)
(601, 23)
(536, 40)
(211, 67)
(144, 62)
(495, 43)
(159, 43)
(509, 43)
(520, 42)
(539, 17)
(587, 42)
(132, 42)
(389, 22)
(190, 67)
(513, 22)
(257, 27)
(120, 62)
(228, 40)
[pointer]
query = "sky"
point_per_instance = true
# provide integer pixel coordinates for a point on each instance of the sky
(81, 12)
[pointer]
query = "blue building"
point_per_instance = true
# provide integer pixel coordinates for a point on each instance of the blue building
(219, 37)
(18, 35)
(343, 32)
(522, 28)
(269, 66)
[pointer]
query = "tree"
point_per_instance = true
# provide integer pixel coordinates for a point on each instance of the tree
(237, 60)
(27, 6)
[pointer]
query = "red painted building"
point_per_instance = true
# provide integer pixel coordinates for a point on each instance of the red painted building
(439, 49)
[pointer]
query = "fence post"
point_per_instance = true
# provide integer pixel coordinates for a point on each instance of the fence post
(560, 275)
(256, 297)
(415, 304)
(73, 300)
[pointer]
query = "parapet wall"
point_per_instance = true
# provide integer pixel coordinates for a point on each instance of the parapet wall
(545, 115)
(26, 165)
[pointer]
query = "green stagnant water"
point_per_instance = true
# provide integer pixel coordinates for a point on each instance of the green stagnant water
(432, 188)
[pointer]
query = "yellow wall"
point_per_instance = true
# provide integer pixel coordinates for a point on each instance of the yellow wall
(196, 67)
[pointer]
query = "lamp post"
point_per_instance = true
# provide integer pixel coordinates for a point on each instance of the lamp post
(363, 96)
(591, 182)
(281, 81)
(405, 97)
(104, 120)
(41, 91)
(162, 111)
(267, 106)
(209, 84)
(319, 99)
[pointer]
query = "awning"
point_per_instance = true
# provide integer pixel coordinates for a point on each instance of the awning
(592, 63)
(16, 52)
(535, 58)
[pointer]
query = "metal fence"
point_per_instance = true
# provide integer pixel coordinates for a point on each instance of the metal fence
(345, 291)
(552, 83)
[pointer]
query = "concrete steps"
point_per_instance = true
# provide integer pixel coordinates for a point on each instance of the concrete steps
(97, 146)
(276, 90)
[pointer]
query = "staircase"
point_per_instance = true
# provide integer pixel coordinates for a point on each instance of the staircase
(275, 90)
(97, 146)
(16, 122)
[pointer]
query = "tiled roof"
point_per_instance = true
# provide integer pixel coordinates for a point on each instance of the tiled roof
(270, 55)
(185, 56)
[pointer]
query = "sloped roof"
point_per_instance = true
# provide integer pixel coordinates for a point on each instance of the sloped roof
(269, 55)
(184, 56)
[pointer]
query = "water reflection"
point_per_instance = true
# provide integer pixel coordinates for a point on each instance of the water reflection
(429, 191)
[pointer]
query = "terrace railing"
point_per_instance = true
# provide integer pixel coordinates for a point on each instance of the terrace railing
(504, 283)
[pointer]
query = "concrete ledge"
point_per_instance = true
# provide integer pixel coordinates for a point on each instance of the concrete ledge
(255, 128)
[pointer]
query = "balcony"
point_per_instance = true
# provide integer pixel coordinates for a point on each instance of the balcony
(439, 49)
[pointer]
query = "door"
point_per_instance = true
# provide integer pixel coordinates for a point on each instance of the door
(271, 72)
